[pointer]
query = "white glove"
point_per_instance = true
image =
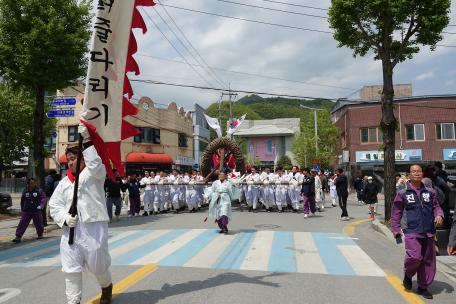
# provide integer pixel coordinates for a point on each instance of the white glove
(39, 208)
(250, 183)
(161, 182)
(71, 221)
(83, 131)
(176, 182)
(266, 182)
(205, 196)
(192, 182)
(278, 182)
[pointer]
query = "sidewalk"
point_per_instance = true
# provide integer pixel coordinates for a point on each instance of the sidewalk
(445, 264)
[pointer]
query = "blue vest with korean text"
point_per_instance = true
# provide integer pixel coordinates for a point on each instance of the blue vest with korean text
(418, 214)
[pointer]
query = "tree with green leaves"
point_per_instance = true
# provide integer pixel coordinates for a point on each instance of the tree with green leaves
(43, 47)
(393, 31)
(15, 124)
(328, 134)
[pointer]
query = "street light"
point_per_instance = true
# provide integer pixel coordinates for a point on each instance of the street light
(315, 125)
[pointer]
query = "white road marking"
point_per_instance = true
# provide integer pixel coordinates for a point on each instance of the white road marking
(361, 263)
(257, 257)
(210, 253)
(8, 293)
(164, 251)
(307, 256)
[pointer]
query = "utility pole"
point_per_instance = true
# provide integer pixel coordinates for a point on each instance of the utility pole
(230, 96)
(315, 125)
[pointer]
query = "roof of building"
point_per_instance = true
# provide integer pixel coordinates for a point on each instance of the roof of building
(271, 127)
(341, 103)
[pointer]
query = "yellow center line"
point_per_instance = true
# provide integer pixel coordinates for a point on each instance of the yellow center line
(127, 282)
(393, 280)
(408, 296)
(350, 228)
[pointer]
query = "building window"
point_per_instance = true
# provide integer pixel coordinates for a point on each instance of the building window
(415, 132)
(182, 140)
(371, 135)
(72, 133)
(446, 131)
(148, 135)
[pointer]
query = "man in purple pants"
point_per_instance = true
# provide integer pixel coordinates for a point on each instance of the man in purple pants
(308, 193)
(33, 201)
(416, 210)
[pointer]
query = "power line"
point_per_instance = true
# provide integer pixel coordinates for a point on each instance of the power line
(219, 80)
(185, 47)
(221, 89)
(444, 45)
(174, 47)
(253, 74)
(272, 9)
(296, 5)
(249, 20)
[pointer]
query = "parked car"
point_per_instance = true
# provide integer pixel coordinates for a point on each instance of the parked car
(5, 200)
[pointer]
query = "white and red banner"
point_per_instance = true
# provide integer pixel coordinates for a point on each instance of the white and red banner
(108, 89)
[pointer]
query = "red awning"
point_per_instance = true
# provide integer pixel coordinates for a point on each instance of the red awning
(141, 157)
(62, 159)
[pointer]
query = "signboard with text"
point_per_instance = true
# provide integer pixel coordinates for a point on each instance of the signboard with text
(59, 102)
(449, 154)
(60, 113)
(378, 156)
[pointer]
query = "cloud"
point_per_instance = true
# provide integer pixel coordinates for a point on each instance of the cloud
(319, 67)
(426, 75)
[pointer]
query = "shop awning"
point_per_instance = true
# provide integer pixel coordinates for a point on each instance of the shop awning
(141, 157)
(62, 159)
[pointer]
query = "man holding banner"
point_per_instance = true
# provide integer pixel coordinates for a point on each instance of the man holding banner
(106, 103)
(90, 248)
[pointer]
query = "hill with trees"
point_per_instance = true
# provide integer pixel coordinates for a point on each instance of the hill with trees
(257, 107)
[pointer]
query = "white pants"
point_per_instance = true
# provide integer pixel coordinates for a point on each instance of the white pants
(148, 200)
(88, 252)
(175, 193)
(253, 194)
(294, 193)
(164, 198)
(191, 198)
(281, 197)
(268, 196)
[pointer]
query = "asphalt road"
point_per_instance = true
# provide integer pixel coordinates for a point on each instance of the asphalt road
(266, 258)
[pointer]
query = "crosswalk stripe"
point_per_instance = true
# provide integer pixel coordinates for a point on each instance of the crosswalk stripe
(152, 245)
(169, 248)
(187, 251)
(132, 245)
(114, 241)
(236, 251)
(210, 253)
(334, 261)
(24, 250)
(282, 254)
(307, 256)
(51, 256)
(257, 257)
(279, 251)
(361, 263)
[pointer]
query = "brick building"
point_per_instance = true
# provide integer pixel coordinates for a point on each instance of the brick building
(426, 131)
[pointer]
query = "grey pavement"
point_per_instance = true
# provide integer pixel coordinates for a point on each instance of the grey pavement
(198, 285)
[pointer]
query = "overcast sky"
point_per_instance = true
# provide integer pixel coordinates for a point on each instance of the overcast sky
(311, 59)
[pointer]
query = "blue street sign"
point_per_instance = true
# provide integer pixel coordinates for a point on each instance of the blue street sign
(60, 113)
(63, 102)
(54, 134)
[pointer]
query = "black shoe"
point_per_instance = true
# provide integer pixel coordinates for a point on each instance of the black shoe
(145, 213)
(106, 295)
(16, 240)
(407, 282)
(225, 230)
(221, 231)
(425, 293)
(250, 209)
(40, 237)
(280, 211)
(295, 210)
(268, 210)
(255, 211)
